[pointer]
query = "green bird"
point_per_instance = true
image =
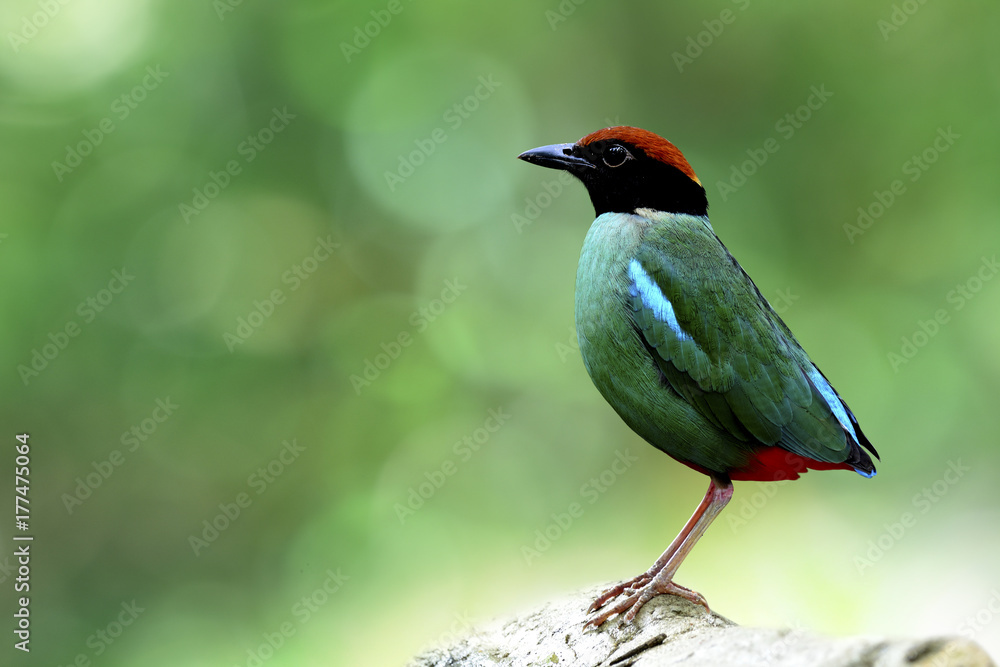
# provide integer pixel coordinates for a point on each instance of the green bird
(679, 340)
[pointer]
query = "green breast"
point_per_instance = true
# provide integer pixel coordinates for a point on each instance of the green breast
(617, 359)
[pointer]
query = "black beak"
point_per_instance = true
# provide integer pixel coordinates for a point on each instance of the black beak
(556, 156)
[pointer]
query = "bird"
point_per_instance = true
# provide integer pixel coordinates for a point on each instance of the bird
(682, 344)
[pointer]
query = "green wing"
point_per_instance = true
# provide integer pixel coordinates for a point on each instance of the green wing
(720, 346)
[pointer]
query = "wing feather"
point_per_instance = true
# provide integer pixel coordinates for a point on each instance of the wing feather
(722, 348)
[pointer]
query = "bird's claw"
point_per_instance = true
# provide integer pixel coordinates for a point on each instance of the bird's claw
(638, 594)
(629, 587)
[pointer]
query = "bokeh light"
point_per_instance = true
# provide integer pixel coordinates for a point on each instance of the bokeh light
(341, 390)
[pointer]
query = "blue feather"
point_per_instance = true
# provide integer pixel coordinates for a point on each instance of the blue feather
(653, 298)
(833, 401)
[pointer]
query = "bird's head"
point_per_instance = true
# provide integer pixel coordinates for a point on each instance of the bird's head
(626, 168)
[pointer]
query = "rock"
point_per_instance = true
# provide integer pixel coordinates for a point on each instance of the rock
(672, 631)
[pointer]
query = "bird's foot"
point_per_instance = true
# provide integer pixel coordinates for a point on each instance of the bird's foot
(638, 592)
(629, 587)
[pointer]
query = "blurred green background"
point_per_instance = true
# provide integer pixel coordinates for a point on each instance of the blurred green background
(344, 309)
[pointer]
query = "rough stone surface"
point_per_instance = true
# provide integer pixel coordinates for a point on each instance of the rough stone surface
(672, 631)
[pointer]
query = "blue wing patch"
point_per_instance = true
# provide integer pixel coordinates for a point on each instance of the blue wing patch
(832, 401)
(652, 297)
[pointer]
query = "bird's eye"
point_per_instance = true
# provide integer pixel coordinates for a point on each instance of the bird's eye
(615, 156)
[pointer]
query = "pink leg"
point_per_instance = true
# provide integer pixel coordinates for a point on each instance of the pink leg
(658, 580)
(635, 583)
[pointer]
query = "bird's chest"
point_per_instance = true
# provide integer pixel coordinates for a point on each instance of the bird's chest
(608, 341)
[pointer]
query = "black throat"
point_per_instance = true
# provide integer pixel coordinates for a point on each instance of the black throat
(642, 182)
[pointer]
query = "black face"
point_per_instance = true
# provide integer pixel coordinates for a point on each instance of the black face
(621, 178)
